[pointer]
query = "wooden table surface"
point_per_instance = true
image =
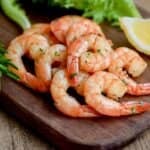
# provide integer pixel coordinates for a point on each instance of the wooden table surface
(14, 136)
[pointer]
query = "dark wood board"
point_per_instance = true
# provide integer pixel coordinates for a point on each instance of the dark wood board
(37, 111)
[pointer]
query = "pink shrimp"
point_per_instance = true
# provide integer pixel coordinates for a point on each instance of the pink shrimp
(105, 82)
(93, 61)
(66, 103)
(127, 61)
(68, 28)
(82, 27)
(33, 46)
(43, 65)
(78, 47)
(43, 29)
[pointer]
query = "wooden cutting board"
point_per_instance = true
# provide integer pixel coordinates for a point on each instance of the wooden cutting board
(37, 111)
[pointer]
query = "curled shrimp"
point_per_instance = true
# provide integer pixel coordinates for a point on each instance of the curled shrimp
(85, 26)
(93, 61)
(43, 29)
(43, 65)
(127, 61)
(66, 103)
(34, 46)
(68, 28)
(78, 47)
(105, 82)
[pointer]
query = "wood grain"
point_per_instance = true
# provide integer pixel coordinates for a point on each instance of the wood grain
(13, 134)
(14, 137)
(145, 4)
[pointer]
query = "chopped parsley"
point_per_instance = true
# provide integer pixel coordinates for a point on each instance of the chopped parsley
(56, 53)
(87, 54)
(100, 52)
(124, 82)
(5, 63)
(133, 110)
(42, 51)
(73, 75)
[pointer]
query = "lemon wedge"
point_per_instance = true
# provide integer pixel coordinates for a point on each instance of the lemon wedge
(137, 31)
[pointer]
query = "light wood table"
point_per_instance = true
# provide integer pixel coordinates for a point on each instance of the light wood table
(14, 136)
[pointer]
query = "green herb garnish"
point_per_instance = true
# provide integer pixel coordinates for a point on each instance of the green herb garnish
(56, 53)
(42, 51)
(133, 110)
(124, 82)
(5, 63)
(88, 54)
(73, 75)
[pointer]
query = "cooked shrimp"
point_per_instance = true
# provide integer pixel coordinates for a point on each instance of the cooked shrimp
(105, 82)
(56, 53)
(66, 103)
(87, 42)
(43, 29)
(34, 46)
(80, 28)
(128, 61)
(94, 61)
(61, 25)
(60, 28)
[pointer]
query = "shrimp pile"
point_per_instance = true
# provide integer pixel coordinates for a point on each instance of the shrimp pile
(73, 52)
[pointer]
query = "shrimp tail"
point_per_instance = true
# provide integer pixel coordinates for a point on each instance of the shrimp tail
(139, 89)
(73, 70)
(78, 111)
(134, 107)
(88, 111)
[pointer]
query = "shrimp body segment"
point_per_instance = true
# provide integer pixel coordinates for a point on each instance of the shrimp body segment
(113, 87)
(127, 61)
(125, 58)
(78, 47)
(80, 28)
(66, 103)
(34, 46)
(42, 29)
(83, 76)
(65, 28)
(93, 61)
(61, 25)
(43, 65)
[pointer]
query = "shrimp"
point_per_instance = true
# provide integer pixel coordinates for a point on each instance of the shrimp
(82, 27)
(93, 61)
(56, 53)
(87, 42)
(108, 83)
(64, 28)
(128, 61)
(34, 46)
(66, 103)
(43, 29)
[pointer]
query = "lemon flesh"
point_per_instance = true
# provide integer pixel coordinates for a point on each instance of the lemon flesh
(137, 31)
